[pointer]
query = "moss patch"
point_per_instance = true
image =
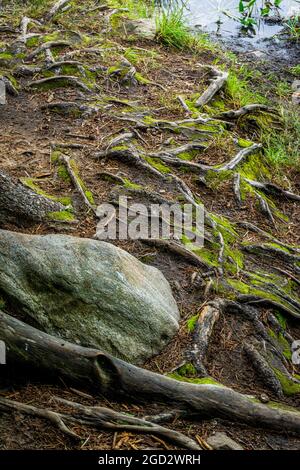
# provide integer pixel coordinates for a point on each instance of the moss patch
(31, 183)
(191, 323)
(288, 386)
(62, 216)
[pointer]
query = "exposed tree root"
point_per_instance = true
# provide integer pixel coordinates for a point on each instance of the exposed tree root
(62, 63)
(241, 155)
(254, 228)
(237, 187)
(273, 190)
(178, 249)
(183, 104)
(129, 155)
(26, 345)
(45, 46)
(184, 126)
(249, 108)
(265, 208)
(52, 416)
(216, 85)
(57, 7)
(25, 22)
(10, 88)
(257, 300)
(268, 250)
(264, 370)
(203, 330)
(19, 204)
(60, 80)
(71, 108)
(77, 182)
(177, 162)
(99, 418)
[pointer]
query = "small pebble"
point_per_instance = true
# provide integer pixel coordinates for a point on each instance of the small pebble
(264, 398)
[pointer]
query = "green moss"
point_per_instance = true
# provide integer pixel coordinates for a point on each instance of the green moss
(281, 406)
(63, 216)
(52, 85)
(132, 55)
(150, 121)
(281, 319)
(244, 143)
(238, 90)
(208, 256)
(30, 183)
(188, 156)
(227, 228)
(6, 56)
(55, 156)
(203, 381)
(87, 193)
(113, 69)
(236, 258)
(288, 386)
(239, 286)
(191, 323)
(282, 342)
(187, 370)
(216, 178)
(69, 70)
(33, 42)
(158, 165)
(255, 168)
(130, 185)
(142, 80)
(258, 289)
(62, 172)
(295, 70)
(120, 148)
(51, 37)
(277, 247)
(272, 334)
(90, 197)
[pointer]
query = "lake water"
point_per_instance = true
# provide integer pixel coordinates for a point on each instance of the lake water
(220, 17)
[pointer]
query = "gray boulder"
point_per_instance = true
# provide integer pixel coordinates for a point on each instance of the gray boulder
(142, 28)
(89, 292)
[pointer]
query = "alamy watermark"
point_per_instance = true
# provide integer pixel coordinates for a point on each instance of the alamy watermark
(2, 92)
(125, 221)
(2, 353)
(296, 352)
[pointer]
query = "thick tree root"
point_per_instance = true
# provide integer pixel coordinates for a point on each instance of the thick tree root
(264, 370)
(29, 346)
(217, 83)
(203, 330)
(20, 204)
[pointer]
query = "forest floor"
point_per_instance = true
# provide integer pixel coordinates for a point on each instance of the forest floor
(132, 84)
